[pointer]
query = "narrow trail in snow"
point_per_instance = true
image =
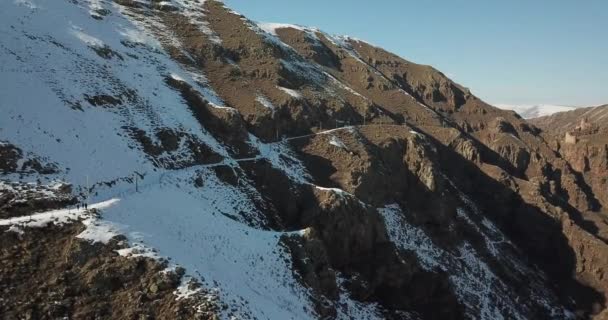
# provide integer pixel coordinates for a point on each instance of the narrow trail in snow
(351, 127)
(148, 180)
(63, 215)
(73, 213)
(160, 177)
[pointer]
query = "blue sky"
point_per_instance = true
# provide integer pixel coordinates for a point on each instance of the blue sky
(510, 51)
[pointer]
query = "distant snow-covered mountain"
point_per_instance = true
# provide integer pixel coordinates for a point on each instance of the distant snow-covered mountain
(535, 111)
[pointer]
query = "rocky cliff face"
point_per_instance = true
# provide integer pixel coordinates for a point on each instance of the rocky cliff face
(290, 173)
(580, 137)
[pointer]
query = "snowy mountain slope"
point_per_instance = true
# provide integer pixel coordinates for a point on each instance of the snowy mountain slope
(96, 80)
(211, 134)
(242, 262)
(60, 63)
(52, 49)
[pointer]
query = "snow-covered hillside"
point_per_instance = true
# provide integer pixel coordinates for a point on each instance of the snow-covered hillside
(56, 61)
(220, 159)
(78, 89)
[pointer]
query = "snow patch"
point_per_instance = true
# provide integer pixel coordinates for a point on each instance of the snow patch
(88, 39)
(349, 308)
(138, 249)
(265, 102)
(281, 157)
(409, 237)
(335, 141)
(337, 191)
(187, 288)
(16, 229)
(99, 231)
(482, 293)
(242, 263)
(291, 92)
(194, 11)
(26, 3)
(272, 27)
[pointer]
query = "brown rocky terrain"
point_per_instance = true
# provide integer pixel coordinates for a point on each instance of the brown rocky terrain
(390, 187)
(49, 272)
(581, 138)
(503, 147)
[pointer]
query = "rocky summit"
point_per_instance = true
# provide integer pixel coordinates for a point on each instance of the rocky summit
(176, 160)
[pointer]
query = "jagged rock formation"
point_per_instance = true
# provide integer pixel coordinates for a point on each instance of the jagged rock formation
(292, 173)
